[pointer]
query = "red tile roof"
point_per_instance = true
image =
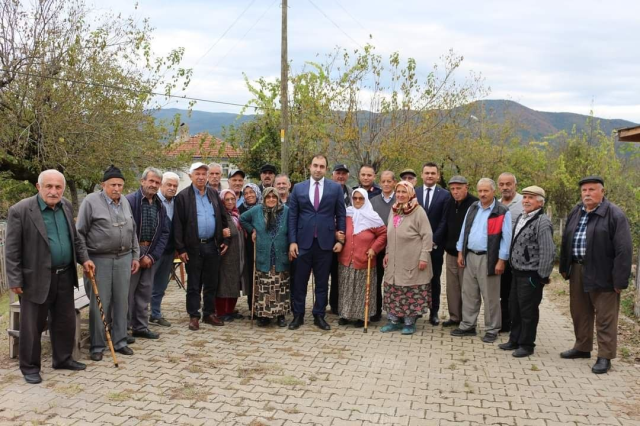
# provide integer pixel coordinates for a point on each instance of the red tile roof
(203, 145)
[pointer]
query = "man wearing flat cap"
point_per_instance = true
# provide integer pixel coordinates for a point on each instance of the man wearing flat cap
(459, 203)
(201, 236)
(531, 258)
(596, 259)
(236, 182)
(410, 176)
(267, 176)
(107, 228)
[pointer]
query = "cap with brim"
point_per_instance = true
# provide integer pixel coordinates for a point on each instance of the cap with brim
(591, 179)
(232, 173)
(534, 190)
(458, 179)
(196, 166)
(112, 172)
(268, 168)
(341, 167)
(408, 172)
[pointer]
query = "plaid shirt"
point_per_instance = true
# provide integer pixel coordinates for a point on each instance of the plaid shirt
(149, 220)
(579, 249)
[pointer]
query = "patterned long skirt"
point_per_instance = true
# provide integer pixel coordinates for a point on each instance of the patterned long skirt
(273, 296)
(407, 300)
(352, 289)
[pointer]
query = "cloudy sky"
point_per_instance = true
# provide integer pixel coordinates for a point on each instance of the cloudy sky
(561, 55)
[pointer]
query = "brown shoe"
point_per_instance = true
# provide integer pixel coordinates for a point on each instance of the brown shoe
(213, 320)
(194, 324)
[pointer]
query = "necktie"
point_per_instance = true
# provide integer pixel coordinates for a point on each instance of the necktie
(316, 196)
(426, 199)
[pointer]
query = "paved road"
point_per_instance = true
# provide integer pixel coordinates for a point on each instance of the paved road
(239, 375)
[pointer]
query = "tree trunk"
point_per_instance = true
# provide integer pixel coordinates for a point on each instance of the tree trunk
(73, 189)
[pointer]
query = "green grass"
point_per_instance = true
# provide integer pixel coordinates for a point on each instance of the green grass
(4, 303)
(627, 301)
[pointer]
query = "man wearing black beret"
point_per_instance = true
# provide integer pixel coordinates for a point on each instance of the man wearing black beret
(596, 259)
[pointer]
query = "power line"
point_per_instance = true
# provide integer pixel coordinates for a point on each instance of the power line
(335, 25)
(124, 89)
(225, 32)
(350, 15)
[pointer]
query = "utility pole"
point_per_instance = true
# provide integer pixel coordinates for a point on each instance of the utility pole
(284, 103)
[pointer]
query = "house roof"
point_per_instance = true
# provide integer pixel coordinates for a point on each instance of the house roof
(629, 134)
(203, 146)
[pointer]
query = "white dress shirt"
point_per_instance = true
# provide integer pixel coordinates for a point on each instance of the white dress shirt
(433, 190)
(312, 189)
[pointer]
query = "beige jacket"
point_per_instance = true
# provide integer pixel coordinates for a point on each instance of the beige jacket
(407, 245)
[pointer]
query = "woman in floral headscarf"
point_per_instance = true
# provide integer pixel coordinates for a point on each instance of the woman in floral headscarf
(407, 276)
(251, 197)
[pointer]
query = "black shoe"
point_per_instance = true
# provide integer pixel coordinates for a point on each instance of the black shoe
(125, 350)
(281, 321)
(601, 366)
(96, 356)
(450, 323)
(131, 340)
(343, 321)
(375, 318)
(433, 320)
(298, 320)
(319, 322)
(33, 379)
(263, 322)
(358, 324)
(574, 353)
(227, 318)
(522, 352)
(72, 365)
(237, 315)
(489, 337)
(145, 334)
(509, 346)
(458, 332)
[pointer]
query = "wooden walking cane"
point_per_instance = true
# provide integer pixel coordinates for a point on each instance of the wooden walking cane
(92, 278)
(366, 300)
(253, 285)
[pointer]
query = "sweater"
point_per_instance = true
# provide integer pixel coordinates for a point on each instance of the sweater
(355, 248)
(532, 249)
(254, 219)
(382, 207)
(455, 218)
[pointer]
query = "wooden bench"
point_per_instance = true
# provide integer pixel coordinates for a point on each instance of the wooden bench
(81, 302)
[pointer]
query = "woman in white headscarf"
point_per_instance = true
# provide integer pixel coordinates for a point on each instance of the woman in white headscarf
(366, 236)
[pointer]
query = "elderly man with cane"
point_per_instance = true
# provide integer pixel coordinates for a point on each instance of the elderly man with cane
(42, 249)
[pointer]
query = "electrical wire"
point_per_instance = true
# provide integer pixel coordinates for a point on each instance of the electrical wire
(335, 25)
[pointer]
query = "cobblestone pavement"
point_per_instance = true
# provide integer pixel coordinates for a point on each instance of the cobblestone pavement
(241, 375)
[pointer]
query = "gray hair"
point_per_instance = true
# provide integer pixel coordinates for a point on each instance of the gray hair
(151, 170)
(393, 175)
(509, 174)
(51, 171)
(212, 165)
(489, 181)
(541, 199)
(170, 175)
(283, 175)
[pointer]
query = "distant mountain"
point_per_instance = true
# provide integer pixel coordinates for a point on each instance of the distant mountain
(533, 124)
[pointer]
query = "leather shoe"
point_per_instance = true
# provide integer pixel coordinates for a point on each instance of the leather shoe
(213, 320)
(358, 324)
(509, 346)
(72, 365)
(574, 353)
(522, 352)
(96, 356)
(125, 350)
(450, 323)
(194, 324)
(319, 322)
(33, 379)
(489, 337)
(343, 321)
(263, 322)
(146, 334)
(433, 320)
(375, 318)
(601, 366)
(298, 320)
(281, 321)
(131, 340)
(458, 332)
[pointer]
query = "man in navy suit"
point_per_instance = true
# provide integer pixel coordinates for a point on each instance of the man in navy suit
(434, 200)
(316, 212)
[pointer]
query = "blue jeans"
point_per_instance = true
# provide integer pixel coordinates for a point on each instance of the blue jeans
(160, 283)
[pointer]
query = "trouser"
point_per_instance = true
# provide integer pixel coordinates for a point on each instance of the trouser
(160, 283)
(112, 277)
(526, 295)
(437, 258)
(202, 279)
(379, 279)
(249, 269)
(334, 293)
(478, 287)
(505, 289)
(320, 261)
(140, 289)
(455, 275)
(225, 305)
(60, 308)
(604, 306)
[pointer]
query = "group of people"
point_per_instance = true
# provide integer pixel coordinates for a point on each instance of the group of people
(388, 242)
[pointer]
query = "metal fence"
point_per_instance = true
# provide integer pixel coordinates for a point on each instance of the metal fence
(4, 285)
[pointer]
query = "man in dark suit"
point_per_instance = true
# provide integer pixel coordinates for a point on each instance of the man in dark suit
(42, 248)
(434, 200)
(316, 212)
